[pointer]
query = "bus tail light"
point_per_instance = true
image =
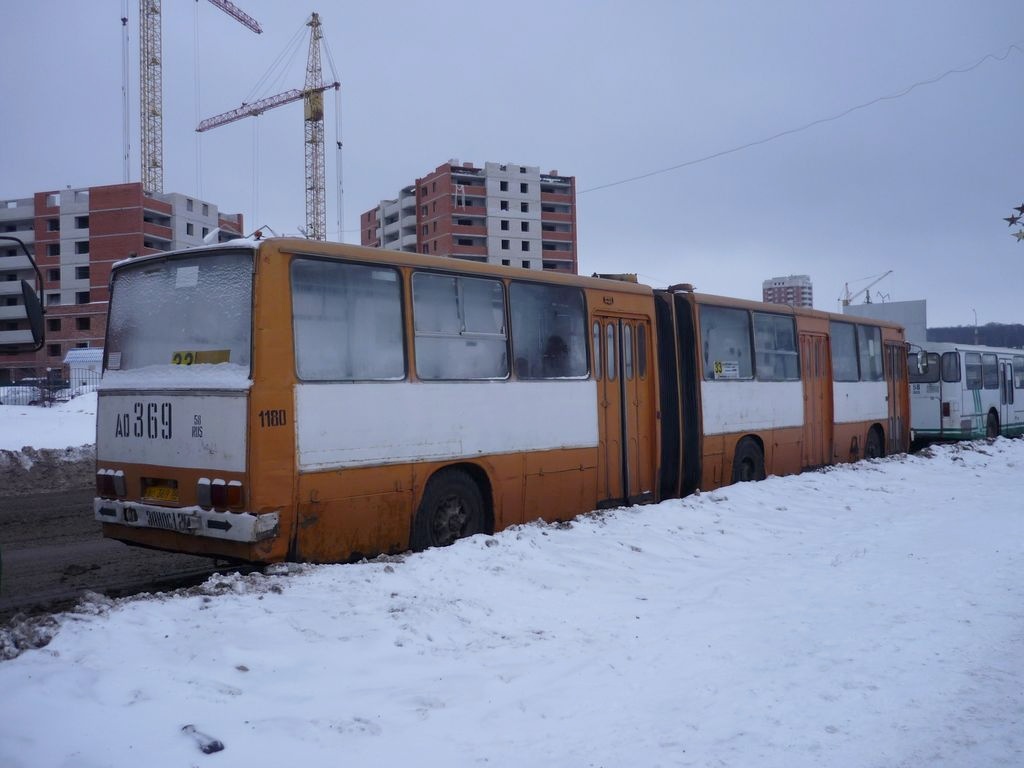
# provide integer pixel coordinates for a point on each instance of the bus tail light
(203, 496)
(110, 484)
(234, 500)
(945, 410)
(218, 493)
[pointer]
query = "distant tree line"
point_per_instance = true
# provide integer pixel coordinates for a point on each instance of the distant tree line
(989, 335)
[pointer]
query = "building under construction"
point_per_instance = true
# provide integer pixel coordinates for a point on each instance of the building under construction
(75, 236)
(500, 214)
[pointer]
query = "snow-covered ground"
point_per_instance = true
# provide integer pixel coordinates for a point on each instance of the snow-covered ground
(65, 425)
(869, 615)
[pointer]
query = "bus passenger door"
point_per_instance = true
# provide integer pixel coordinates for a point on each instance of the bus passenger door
(898, 396)
(625, 437)
(817, 384)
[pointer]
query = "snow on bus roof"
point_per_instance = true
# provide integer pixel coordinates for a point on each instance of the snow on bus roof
(238, 242)
(222, 376)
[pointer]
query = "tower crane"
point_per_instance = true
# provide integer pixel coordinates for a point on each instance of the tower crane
(847, 297)
(151, 85)
(313, 97)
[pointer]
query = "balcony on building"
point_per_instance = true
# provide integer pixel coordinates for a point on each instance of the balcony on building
(555, 216)
(13, 312)
(470, 174)
(16, 337)
(556, 198)
(10, 288)
(474, 206)
(562, 237)
(19, 262)
(469, 246)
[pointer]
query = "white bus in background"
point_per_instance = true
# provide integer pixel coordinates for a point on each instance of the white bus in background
(960, 392)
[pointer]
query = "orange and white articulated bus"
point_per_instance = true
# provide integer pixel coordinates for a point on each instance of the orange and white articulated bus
(749, 389)
(287, 399)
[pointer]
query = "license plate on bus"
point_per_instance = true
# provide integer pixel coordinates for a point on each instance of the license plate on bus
(160, 493)
(182, 522)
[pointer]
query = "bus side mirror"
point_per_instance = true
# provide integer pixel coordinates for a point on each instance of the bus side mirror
(14, 341)
(34, 312)
(20, 341)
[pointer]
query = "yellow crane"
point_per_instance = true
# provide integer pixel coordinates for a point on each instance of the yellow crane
(313, 116)
(847, 297)
(151, 85)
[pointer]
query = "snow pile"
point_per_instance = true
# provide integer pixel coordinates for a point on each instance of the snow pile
(869, 615)
(61, 439)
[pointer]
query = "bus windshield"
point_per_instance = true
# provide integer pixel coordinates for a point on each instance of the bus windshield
(185, 312)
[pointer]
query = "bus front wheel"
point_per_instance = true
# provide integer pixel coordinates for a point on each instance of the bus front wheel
(452, 508)
(747, 462)
(992, 425)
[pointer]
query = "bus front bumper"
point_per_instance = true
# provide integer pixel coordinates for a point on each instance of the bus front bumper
(244, 527)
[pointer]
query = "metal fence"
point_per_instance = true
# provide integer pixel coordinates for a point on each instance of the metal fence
(49, 387)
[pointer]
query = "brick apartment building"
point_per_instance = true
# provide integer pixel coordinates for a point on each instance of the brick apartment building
(499, 214)
(795, 290)
(75, 236)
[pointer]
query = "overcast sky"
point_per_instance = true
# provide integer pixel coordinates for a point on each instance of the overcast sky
(603, 91)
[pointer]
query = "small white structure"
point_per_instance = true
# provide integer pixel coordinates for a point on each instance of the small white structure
(912, 315)
(84, 366)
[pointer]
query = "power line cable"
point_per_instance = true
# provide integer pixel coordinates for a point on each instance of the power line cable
(789, 132)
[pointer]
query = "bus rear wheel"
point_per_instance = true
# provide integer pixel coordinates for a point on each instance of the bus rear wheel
(747, 462)
(873, 445)
(452, 508)
(992, 425)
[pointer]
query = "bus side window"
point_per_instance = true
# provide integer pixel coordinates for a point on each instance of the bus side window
(460, 327)
(951, 367)
(627, 351)
(641, 350)
(843, 342)
(990, 371)
(549, 331)
(612, 356)
(347, 321)
(972, 366)
(1018, 372)
(597, 350)
(775, 348)
(725, 339)
(870, 347)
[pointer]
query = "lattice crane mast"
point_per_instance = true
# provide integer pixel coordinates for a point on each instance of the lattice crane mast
(313, 97)
(151, 86)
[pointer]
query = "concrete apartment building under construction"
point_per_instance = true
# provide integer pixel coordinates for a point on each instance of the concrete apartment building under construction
(500, 214)
(75, 236)
(795, 290)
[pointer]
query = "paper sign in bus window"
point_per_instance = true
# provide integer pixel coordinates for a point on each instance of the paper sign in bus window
(727, 369)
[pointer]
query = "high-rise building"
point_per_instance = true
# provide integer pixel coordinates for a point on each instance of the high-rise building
(795, 290)
(500, 214)
(75, 236)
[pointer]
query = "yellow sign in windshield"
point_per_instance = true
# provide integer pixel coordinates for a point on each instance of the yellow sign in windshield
(205, 356)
